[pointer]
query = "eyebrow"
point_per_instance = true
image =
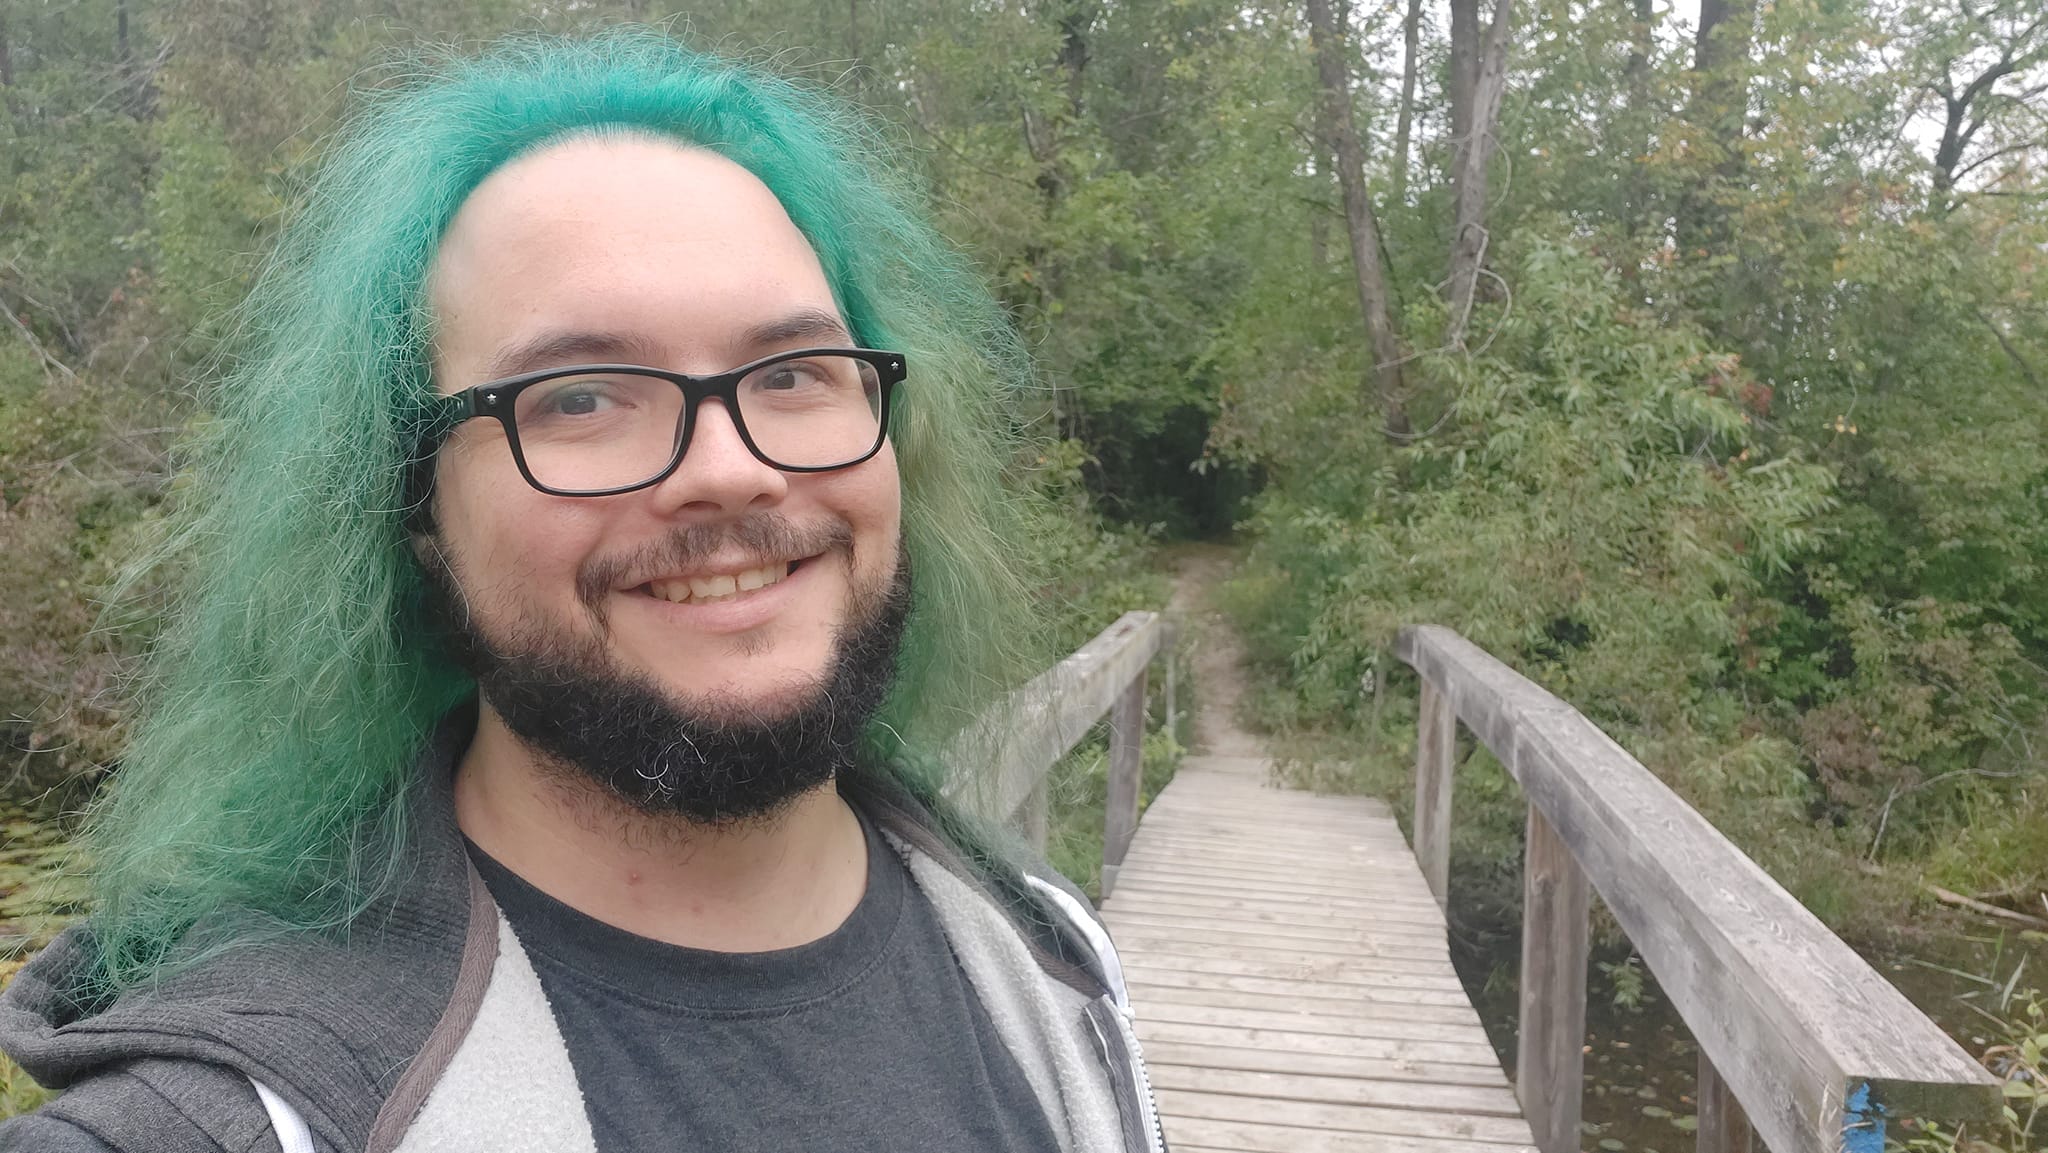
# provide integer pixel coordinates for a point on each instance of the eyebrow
(803, 324)
(554, 348)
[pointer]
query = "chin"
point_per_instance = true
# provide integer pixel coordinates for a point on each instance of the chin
(750, 695)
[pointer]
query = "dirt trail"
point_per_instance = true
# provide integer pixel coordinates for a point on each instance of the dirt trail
(1216, 654)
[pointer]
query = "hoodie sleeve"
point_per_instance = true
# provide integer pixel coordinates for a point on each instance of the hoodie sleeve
(41, 1133)
(151, 1106)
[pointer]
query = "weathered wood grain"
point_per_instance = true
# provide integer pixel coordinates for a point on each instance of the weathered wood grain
(1479, 1057)
(1550, 1045)
(1436, 731)
(1200, 1133)
(1812, 1041)
(1337, 1005)
(1014, 745)
(1126, 761)
(1294, 1060)
(1326, 970)
(1724, 1128)
(1467, 1099)
(1344, 1118)
(1291, 977)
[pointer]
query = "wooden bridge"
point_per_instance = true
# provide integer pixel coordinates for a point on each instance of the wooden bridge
(1287, 958)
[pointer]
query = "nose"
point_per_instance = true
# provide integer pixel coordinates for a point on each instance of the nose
(719, 475)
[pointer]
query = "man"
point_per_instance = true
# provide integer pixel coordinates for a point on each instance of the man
(606, 512)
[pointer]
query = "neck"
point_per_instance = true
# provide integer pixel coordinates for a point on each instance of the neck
(770, 884)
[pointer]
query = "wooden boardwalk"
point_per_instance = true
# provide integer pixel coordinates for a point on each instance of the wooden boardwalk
(1291, 979)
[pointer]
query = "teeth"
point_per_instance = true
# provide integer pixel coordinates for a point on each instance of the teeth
(714, 587)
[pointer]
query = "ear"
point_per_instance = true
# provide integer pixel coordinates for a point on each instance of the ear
(425, 541)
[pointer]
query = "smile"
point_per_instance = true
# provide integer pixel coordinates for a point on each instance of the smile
(714, 587)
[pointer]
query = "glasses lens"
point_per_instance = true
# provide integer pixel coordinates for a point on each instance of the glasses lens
(816, 411)
(598, 431)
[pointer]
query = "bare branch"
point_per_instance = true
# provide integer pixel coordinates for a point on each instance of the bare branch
(36, 346)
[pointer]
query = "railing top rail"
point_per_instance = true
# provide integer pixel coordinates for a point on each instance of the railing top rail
(1808, 1036)
(1048, 716)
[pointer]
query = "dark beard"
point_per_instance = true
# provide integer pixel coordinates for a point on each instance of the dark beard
(598, 723)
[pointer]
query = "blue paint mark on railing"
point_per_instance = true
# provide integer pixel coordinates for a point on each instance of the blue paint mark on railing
(1862, 1123)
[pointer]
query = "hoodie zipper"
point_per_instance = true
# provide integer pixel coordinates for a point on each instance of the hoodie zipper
(1131, 1084)
(1155, 1134)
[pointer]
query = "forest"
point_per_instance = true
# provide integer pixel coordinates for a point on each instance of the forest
(1690, 361)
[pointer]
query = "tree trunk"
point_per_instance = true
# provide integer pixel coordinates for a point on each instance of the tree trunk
(1411, 29)
(6, 61)
(1319, 220)
(1719, 108)
(1464, 68)
(1475, 150)
(1641, 30)
(1384, 378)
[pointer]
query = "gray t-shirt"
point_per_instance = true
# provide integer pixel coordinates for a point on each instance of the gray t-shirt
(869, 1040)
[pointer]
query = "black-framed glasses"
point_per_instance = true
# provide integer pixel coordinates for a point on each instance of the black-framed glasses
(604, 429)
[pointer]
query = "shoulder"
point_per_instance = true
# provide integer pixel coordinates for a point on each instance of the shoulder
(148, 1106)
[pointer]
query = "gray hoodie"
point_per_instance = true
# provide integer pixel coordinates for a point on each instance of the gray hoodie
(425, 1028)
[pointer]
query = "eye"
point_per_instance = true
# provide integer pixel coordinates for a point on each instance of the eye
(785, 377)
(575, 402)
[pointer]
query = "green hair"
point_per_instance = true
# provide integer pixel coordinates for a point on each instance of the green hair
(294, 683)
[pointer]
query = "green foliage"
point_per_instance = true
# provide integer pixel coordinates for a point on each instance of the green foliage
(2020, 1060)
(1076, 794)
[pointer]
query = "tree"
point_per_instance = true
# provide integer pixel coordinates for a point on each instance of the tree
(1976, 50)
(1340, 131)
(1486, 77)
(1718, 115)
(1411, 34)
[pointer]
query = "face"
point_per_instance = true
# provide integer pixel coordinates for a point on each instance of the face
(647, 252)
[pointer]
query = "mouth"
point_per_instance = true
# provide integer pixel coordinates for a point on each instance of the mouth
(717, 586)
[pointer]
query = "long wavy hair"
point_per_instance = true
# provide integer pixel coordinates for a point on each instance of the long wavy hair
(295, 682)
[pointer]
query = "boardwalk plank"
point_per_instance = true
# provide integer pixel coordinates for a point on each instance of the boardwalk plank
(1280, 1040)
(1344, 1118)
(1292, 980)
(1471, 1100)
(1278, 1060)
(1312, 1022)
(1349, 1008)
(1185, 1133)
(1149, 974)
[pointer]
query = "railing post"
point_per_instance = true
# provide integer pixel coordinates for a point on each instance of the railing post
(1550, 1052)
(1724, 1127)
(1126, 761)
(1170, 640)
(1436, 734)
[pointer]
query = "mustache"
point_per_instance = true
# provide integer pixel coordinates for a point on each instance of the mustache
(689, 547)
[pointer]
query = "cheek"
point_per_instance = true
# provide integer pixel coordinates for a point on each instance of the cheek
(874, 505)
(508, 541)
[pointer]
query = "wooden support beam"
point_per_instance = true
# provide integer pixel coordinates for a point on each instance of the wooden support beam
(1724, 1127)
(1436, 734)
(1170, 643)
(1126, 767)
(1550, 1048)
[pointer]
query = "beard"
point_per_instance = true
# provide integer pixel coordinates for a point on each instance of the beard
(595, 722)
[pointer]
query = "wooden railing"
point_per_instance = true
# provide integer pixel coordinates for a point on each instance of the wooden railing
(1050, 715)
(1798, 1037)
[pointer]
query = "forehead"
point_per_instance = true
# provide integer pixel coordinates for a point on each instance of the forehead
(675, 250)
